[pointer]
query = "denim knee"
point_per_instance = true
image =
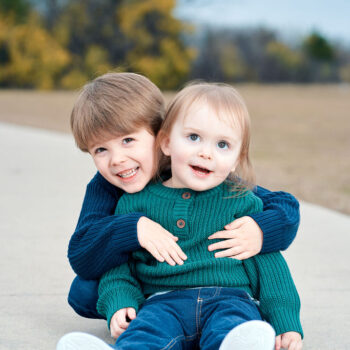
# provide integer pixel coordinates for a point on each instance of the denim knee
(83, 296)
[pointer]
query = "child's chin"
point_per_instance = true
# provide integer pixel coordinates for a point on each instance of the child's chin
(135, 188)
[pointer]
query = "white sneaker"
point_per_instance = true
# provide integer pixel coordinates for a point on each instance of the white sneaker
(251, 335)
(83, 341)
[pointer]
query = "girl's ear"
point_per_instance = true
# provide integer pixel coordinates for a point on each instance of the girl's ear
(164, 144)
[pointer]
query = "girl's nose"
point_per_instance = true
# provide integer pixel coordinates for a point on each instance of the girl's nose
(205, 153)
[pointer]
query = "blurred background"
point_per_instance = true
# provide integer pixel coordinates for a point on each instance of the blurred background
(290, 61)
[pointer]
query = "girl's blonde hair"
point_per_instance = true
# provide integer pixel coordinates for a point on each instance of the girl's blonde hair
(116, 104)
(229, 106)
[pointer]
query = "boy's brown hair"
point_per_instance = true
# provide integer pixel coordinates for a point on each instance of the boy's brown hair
(116, 104)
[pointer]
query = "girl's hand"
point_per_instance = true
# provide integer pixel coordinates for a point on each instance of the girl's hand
(289, 340)
(243, 239)
(159, 242)
(119, 322)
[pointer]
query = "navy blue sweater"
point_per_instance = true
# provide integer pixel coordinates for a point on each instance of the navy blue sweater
(102, 240)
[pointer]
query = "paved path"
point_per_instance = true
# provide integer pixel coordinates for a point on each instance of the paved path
(42, 182)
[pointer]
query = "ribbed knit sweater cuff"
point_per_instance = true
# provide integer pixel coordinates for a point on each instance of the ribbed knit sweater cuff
(126, 232)
(116, 300)
(285, 321)
(272, 227)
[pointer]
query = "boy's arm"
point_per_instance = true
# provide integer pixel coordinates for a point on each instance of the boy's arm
(118, 289)
(279, 220)
(101, 239)
(273, 286)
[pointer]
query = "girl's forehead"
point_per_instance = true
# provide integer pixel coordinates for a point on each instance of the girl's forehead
(225, 115)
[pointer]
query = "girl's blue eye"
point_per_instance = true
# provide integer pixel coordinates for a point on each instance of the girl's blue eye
(223, 145)
(127, 140)
(194, 137)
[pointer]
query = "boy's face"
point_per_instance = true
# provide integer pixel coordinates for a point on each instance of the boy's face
(126, 161)
(203, 149)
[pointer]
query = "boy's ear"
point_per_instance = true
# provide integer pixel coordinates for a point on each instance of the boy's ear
(164, 144)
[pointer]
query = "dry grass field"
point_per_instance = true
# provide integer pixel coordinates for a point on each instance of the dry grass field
(300, 141)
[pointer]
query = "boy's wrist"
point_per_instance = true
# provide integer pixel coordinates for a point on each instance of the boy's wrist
(271, 225)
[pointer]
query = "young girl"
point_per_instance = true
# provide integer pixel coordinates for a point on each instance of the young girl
(206, 301)
(127, 104)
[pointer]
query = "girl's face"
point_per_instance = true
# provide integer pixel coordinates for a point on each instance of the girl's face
(203, 149)
(126, 161)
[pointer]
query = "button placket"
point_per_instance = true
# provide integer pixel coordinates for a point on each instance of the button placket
(180, 213)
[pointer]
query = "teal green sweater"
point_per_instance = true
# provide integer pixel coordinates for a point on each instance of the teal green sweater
(266, 276)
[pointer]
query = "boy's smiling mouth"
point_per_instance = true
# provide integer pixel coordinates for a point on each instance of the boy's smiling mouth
(129, 173)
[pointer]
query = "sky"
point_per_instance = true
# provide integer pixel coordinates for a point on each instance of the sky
(291, 18)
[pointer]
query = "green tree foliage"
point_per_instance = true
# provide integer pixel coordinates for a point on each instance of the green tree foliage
(18, 10)
(318, 48)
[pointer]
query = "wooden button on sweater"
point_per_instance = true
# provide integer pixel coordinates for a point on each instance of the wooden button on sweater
(180, 223)
(186, 195)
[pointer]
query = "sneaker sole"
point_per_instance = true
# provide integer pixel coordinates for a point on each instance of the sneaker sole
(79, 341)
(252, 335)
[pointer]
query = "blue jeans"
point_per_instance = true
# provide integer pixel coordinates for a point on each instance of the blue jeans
(188, 319)
(83, 297)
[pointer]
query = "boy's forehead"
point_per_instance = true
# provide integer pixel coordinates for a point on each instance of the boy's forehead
(104, 136)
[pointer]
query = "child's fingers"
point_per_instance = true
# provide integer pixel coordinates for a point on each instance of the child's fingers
(170, 235)
(242, 256)
(171, 252)
(121, 319)
(164, 253)
(175, 249)
(285, 342)
(235, 224)
(278, 342)
(131, 313)
(221, 235)
(152, 249)
(227, 243)
(231, 252)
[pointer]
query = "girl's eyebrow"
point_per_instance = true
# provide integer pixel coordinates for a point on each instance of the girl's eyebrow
(230, 137)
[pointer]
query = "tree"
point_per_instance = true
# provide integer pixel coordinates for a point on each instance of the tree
(18, 10)
(29, 56)
(318, 48)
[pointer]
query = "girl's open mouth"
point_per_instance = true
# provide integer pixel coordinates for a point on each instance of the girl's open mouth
(200, 171)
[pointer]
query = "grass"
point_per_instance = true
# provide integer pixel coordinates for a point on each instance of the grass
(300, 134)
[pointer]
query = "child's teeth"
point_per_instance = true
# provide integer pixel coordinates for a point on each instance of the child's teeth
(129, 173)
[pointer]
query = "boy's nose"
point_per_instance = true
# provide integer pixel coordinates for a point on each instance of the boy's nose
(117, 158)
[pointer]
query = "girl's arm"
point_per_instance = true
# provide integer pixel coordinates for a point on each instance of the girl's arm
(279, 220)
(101, 239)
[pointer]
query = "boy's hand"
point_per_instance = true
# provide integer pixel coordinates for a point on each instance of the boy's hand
(119, 322)
(289, 340)
(159, 242)
(243, 239)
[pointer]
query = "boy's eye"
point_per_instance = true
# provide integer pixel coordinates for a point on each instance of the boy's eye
(127, 140)
(194, 137)
(99, 150)
(223, 145)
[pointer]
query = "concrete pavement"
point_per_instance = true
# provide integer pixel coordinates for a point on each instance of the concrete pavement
(42, 183)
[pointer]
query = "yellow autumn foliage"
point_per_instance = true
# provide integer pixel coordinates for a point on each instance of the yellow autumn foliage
(33, 58)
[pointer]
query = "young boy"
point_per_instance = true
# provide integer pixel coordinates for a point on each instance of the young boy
(115, 119)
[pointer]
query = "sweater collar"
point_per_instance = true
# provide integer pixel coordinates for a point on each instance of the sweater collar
(173, 193)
